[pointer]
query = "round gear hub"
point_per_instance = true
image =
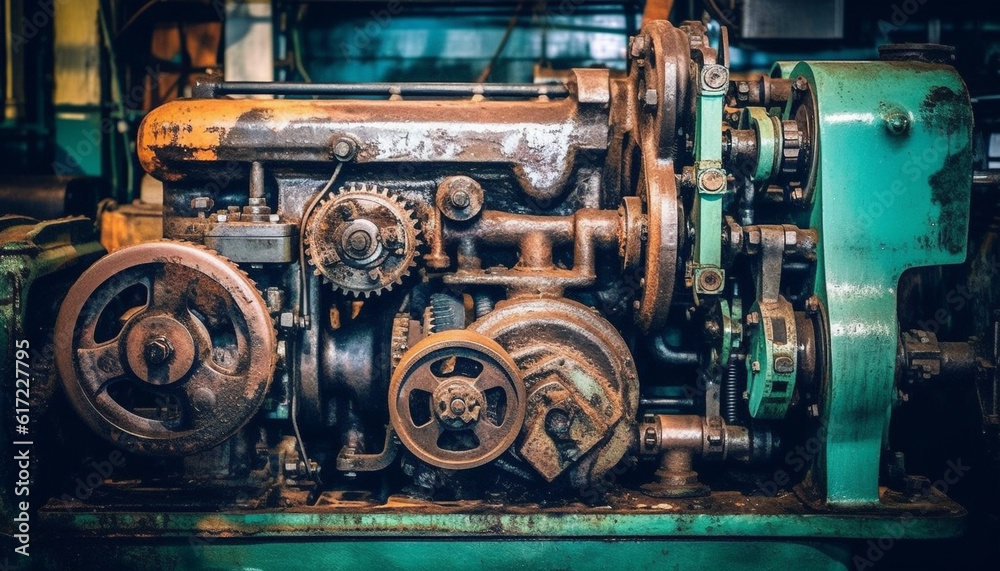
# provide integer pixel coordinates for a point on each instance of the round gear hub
(363, 240)
(456, 400)
(165, 348)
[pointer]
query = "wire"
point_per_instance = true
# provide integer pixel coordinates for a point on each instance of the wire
(720, 14)
(303, 294)
(503, 44)
(135, 17)
(119, 97)
(297, 44)
(304, 307)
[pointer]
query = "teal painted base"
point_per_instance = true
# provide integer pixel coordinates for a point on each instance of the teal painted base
(374, 555)
(728, 529)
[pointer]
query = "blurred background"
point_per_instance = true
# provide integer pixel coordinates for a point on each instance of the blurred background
(79, 75)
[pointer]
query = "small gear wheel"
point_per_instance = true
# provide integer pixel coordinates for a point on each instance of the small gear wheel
(363, 240)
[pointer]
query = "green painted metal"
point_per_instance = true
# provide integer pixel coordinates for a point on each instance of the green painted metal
(770, 387)
(333, 553)
(775, 517)
(888, 199)
(30, 251)
(768, 130)
(707, 212)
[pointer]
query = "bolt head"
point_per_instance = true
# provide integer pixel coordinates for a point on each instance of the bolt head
(649, 97)
(712, 180)
(460, 199)
(344, 150)
(638, 46)
(202, 203)
(157, 351)
(359, 241)
(715, 76)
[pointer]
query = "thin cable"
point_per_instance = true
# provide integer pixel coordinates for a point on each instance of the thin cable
(726, 21)
(503, 43)
(135, 17)
(303, 295)
(297, 44)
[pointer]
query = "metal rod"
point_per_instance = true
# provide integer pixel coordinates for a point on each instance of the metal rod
(212, 89)
(986, 178)
(666, 402)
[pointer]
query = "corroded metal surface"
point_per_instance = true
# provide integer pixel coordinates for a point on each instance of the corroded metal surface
(363, 240)
(164, 348)
(457, 400)
(581, 384)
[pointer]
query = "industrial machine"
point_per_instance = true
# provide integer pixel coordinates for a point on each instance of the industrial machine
(400, 322)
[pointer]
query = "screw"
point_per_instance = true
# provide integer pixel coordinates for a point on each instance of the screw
(158, 350)
(755, 366)
(458, 406)
(801, 83)
(344, 150)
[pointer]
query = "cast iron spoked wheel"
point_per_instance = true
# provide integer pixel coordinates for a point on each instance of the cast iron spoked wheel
(457, 400)
(165, 348)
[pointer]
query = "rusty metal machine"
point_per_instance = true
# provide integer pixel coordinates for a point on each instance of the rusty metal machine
(646, 306)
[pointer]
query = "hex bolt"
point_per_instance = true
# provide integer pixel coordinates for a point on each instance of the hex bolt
(158, 350)
(712, 180)
(715, 76)
(202, 203)
(755, 366)
(638, 46)
(649, 97)
(344, 150)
